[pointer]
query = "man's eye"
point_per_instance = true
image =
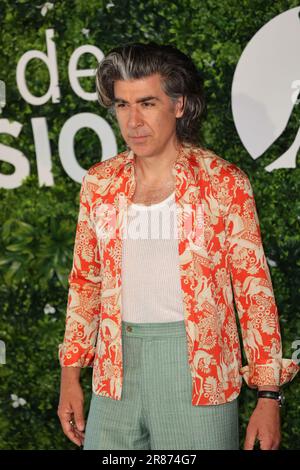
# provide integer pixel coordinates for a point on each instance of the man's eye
(146, 104)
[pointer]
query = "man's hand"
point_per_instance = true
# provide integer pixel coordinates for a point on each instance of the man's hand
(264, 425)
(70, 406)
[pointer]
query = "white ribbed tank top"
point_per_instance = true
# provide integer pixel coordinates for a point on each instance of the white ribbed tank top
(151, 289)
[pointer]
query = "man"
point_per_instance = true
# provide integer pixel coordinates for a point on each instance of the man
(155, 318)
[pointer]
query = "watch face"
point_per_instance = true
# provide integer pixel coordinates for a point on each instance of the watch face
(281, 399)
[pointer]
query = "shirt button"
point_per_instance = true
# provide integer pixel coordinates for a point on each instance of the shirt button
(128, 328)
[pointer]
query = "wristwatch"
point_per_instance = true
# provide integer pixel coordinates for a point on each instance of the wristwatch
(273, 395)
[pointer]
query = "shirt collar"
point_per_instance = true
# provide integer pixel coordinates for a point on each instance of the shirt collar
(184, 161)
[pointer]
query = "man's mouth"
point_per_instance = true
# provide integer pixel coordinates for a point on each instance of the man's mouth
(138, 137)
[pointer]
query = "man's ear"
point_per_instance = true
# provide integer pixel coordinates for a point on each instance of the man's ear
(180, 106)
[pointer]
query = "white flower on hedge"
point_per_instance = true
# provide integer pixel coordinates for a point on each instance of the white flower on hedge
(85, 32)
(271, 262)
(49, 309)
(110, 5)
(211, 63)
(47, 6)
(17, 401)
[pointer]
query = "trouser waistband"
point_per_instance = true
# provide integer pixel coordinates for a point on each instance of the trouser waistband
(163, 329)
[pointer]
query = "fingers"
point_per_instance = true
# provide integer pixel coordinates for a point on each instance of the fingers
(249, 440)
(79, 418)
(270, 445)
(264, 444)
(73, 433)
(70, 430)
(76, 435)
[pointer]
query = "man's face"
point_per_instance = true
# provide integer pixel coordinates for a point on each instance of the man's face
(146, 115)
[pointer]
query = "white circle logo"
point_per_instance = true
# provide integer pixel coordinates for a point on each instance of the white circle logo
(266, 88)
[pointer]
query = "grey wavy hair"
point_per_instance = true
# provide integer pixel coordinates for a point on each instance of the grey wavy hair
(179, 74)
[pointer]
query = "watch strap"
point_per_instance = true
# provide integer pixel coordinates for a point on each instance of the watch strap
(268, 394)
(271, 394)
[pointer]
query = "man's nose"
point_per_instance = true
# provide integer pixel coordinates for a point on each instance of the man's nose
(134, 118)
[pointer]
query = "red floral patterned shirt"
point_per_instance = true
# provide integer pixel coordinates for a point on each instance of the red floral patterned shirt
(221, 258)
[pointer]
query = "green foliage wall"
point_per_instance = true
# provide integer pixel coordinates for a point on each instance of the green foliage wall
(38, 223)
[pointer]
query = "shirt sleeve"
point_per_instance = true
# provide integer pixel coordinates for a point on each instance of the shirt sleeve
(83, 304)
(253, 292)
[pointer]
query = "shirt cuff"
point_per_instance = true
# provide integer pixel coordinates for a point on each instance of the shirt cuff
(75, 356)
(274, 372)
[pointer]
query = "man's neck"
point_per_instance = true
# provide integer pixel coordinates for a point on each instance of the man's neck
(155, 168)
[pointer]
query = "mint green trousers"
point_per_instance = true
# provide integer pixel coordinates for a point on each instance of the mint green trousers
(155, 410)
